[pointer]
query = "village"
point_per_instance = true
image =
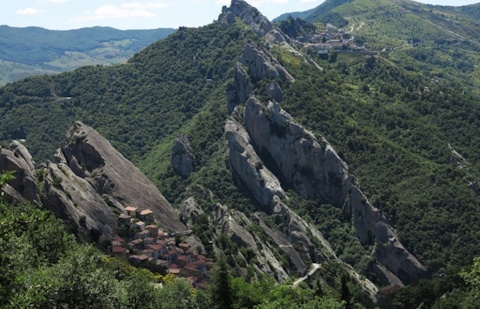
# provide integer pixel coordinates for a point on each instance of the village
(145, 244)
(332, 38)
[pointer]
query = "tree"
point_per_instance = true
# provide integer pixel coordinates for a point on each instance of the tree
(346, 296)
(220, 289)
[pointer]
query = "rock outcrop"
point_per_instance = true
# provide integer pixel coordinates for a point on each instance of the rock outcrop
(262, 65)
(16, 158)
(72, 198)
(249, 167)
(312, 167)
(275, 91)
(183, 160)
(91, 157)
(190, 209)
(241, 88)
(249, 15)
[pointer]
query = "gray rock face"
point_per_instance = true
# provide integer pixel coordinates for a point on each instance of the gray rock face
(250, 16)
(393, 255)
(183, 160)
(17, 158)
(248, 166)
(275, 91)
(262, 65)
(313, 168)
(71, 197)
(190, 209)
(240, 90)
(92, 157)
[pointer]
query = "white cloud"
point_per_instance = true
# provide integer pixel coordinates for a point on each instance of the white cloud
(307, 1)
(28, 11)
(126, 10)
(52, 1)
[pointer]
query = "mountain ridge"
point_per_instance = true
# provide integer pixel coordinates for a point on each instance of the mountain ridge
(51, 51)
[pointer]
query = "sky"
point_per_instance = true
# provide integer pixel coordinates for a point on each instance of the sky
(142, 14)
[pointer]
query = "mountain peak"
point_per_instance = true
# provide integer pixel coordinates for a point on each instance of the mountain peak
(248, 14)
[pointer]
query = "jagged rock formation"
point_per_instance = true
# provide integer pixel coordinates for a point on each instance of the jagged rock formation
(91, 157)
(275, 91)
(183, 160)
(190, 209)
(249, 15)
(90, 183)
(72, 198)
(248, 166)
(241, 88)
(302, 161)
(262, 65)
(313, 168)
(17, 158)
(256, 64)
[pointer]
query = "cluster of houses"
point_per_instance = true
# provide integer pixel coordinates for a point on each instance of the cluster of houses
(150, 244)
(330, 38)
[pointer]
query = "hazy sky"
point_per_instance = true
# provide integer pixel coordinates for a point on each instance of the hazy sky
(141, 14)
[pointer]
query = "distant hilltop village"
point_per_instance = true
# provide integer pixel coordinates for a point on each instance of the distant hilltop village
(330, 38)
(144, 244)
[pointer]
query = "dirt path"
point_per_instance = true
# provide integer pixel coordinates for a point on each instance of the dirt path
(314, 268)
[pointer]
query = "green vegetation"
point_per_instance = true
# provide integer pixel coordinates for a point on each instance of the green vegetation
(393, 117)
(43, 267)
(41, 51)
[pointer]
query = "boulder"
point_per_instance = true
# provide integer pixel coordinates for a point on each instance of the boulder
(183, 160)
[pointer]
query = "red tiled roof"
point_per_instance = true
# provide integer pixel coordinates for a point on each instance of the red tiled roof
(173, 266)
(118, 249)
(118, 239)
(142, 257)
(191, 266)
(130, 208)
(146, 212)
(182, 258)
(155, 247)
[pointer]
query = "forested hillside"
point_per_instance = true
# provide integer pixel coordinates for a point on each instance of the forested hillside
(35, 51)
(404, 116)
